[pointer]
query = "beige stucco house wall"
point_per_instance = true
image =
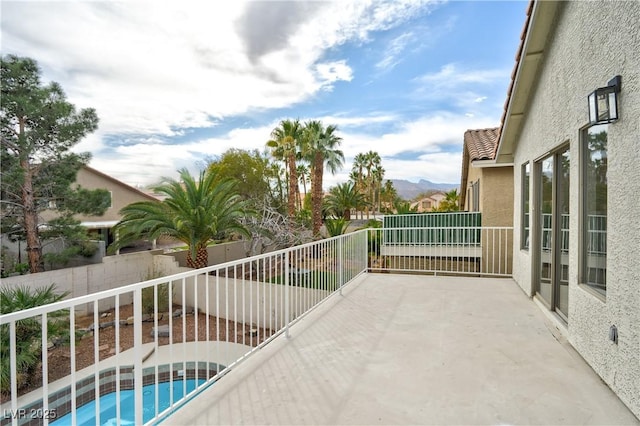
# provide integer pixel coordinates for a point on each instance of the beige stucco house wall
(429, 203)
(482, 178)
(121, 193)
(496, 196)
(569, 50)
(487, 187)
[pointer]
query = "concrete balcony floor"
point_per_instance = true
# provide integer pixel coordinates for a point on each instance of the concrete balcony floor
(408, 349)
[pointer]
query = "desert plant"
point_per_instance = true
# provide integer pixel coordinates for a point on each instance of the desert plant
(195, 212)
(149, 299)
(28, 331)
(373, 237)
(22, 268)
(337, 226)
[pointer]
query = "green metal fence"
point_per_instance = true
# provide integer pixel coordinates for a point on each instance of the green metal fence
(433, 229)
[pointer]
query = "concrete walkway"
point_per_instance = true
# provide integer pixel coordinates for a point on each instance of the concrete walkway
(406, 349)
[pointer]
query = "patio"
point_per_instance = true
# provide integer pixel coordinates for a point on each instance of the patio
(410, 349)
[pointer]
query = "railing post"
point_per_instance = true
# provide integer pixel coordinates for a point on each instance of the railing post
(13, 367)
(45, 369)
(340, 267)
(137, 344)
(286, 294)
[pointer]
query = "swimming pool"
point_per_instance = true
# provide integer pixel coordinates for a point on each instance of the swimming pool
(86, 415)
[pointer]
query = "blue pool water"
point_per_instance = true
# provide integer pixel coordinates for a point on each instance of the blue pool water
(86, 415)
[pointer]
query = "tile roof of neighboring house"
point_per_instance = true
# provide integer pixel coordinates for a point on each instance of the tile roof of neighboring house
(481, 143)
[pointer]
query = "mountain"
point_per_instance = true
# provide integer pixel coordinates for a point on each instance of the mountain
(409, 190)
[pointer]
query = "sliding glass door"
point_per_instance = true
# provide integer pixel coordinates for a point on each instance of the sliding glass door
(553, 226)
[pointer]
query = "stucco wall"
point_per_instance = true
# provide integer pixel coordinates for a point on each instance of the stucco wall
(113, 272)
(122, 196)
(496, 196)
(219, 253)
(594, 41)
(474, 174)
(246, 301)
(521, 257)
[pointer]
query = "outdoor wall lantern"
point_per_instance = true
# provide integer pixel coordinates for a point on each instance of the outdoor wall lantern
(603, 102)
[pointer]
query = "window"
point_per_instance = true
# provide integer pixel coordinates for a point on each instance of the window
(594, 196)
(474, 199)
(526, 192)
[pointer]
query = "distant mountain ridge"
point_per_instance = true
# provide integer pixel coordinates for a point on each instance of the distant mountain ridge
(409, 190)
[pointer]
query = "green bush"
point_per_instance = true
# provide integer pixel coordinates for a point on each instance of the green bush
(22, 268)
(336, 227)
(148, 299)
(28, 331)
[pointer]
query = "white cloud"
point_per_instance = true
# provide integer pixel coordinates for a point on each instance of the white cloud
(394, 51)
(330, 72)
(450, 76)
(435, 144)
(345, 121)
(427, 134)
(156, 67)
(156, 70)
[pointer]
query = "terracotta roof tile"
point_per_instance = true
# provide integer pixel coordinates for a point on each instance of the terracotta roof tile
(481, 143)
(523, 37)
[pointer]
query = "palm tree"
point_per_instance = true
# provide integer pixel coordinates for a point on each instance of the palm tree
(357, 176)
(303, 177)
(378, 175)
(320, 148)
(29, 331)
(344, 197)
(194, 212)
(372, 161)
(388, 194)
(404, 207)
(450, 202)
(284, 144)
(337, 226)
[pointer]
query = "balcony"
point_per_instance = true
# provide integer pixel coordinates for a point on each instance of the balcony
(327, 332)
(411, 349)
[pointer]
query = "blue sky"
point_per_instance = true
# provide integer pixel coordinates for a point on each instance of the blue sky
(176, 83)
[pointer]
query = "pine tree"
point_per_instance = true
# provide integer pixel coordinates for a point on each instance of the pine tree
(38, 127)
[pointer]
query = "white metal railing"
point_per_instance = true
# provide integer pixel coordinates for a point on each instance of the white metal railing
(189, 329)
(466, 250)
(596, 242)
(225, 313)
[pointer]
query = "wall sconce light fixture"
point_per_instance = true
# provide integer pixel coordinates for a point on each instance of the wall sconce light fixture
(603, 102)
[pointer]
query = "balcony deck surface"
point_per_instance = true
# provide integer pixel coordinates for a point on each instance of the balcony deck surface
(408, 349)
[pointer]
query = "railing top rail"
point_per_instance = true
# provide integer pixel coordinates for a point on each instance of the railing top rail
(461, 227)
(68, 303)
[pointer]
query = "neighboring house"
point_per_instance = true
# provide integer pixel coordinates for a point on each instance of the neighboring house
(486, 186)
(121, 196)
(578, 258)
(429, 203)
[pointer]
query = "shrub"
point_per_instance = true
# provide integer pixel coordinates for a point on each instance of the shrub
(28, 331)
(336, 227)
(148, 299)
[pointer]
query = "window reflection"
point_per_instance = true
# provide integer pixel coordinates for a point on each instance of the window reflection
(595, 207)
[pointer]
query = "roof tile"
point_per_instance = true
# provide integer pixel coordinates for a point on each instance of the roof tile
(481, 143)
